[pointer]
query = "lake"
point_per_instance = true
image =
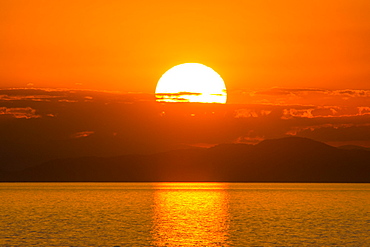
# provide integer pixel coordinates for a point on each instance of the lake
(184, 214)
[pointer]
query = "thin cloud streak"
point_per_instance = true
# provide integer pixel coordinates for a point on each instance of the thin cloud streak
(19, 112)
(82, 134)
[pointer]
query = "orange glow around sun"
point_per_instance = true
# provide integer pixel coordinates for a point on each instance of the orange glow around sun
(191, 82)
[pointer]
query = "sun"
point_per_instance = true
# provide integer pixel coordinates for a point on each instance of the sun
(191, 82)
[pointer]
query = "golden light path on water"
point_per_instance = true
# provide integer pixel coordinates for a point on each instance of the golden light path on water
(190, 214)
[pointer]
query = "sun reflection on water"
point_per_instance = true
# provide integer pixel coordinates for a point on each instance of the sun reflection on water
(190, 214)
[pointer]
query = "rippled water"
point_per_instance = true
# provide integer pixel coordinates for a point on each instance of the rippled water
(184, 214)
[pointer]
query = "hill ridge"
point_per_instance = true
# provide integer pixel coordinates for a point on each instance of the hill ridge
(291, 159)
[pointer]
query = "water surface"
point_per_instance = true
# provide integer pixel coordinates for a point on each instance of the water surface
(184, 214)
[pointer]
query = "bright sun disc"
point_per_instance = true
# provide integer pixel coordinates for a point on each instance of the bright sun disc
(191, 82)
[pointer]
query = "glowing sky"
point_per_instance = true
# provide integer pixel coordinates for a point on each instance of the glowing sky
(128, 45)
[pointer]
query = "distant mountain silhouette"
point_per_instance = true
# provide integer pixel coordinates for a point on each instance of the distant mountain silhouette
(291, 159)
(351, 147)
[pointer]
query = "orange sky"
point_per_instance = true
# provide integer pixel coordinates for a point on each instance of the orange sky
(128, 45)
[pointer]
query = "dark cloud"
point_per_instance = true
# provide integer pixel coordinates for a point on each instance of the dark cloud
(351, 93)
(287, 91)
(177, 94)
(72, 123)
(304, 96)
(19, 112)
(175, 97)
(70, 95)
(335, 132)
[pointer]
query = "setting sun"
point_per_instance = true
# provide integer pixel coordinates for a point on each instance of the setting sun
(191, 82)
